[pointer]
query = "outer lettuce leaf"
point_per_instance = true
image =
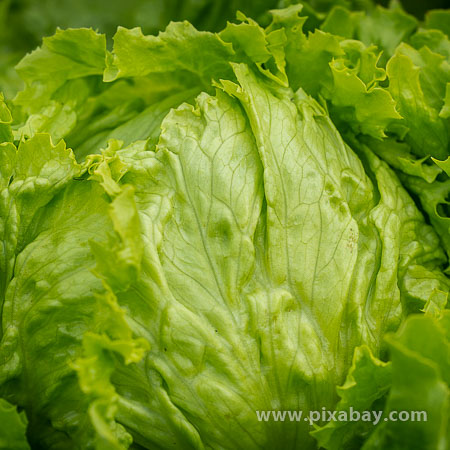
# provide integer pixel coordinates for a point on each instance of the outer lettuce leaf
(12, 432)
(420, 382)
(47, 221)
(398, 155)
(434, 72)
(418, 78)
(29, 182)
(444, 165)
(42, 18)
(386, 28)
(438, 19)
(195, 57)
(344, 72)
(111, 336)
(265, 49)
(419, 100)
(65, 95)
(5, 122)
(73, 103)
(417, 379)
(362, 97)
(368, 380)
(47, 276)
(25, 22)
(367, 108)
(67, 55)
(126, 123)
(59, 78)
(445, 111)
(435, 40)
(342, 22)
(137, 55)
(434, 200)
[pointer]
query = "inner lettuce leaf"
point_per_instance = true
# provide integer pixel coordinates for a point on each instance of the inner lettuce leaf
(213, 246)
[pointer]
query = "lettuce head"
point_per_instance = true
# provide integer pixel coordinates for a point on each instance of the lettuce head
(197, 226)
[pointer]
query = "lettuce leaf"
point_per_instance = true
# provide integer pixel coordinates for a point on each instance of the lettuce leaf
(424, 389)
(196, 226)
(368, 380)
(415, 382)
(12, 433)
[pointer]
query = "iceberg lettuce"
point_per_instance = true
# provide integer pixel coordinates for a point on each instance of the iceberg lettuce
(197, 226)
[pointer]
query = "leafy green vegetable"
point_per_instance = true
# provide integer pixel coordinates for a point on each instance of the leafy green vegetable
(367, 381)
(199, 226)
(12, 433)
(23, 23)
(425, 389)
